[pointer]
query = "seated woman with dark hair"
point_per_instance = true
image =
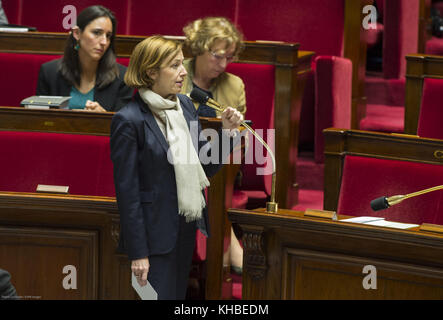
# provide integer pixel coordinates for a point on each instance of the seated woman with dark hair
(88, 71)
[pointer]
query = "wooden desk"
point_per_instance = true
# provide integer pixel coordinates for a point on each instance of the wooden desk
(291, 256)
(418, 67)
(291, 67)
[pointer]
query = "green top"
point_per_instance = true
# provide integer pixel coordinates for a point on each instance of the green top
(78, 99)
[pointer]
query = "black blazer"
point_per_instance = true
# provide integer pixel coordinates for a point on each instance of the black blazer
(144, 180)
(113, 97)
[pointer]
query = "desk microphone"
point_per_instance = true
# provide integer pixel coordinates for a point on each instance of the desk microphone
(203, 98)
(386, 202)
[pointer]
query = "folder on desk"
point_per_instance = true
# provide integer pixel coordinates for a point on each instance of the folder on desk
(46, 102)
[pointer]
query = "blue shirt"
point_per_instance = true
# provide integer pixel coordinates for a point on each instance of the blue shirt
(78, 99)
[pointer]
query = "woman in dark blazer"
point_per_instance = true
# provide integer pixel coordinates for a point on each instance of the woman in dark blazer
(88, 71)
(158, 175)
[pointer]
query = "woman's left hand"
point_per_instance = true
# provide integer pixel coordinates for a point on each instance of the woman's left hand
(231, 118)
(94, 106)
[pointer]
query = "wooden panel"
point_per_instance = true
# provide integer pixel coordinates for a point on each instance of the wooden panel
(35, 258)
(317, 275)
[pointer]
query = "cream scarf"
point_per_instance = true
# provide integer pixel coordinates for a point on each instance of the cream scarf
(189, 175)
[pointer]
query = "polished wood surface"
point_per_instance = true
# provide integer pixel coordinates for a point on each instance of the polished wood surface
(54, 120)
(418, 67)
(291, 256)
(339, 143)
(291, 66)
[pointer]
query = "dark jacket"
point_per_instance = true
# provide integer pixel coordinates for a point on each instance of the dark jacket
(113, 97)
(144, 179)
(7, 290)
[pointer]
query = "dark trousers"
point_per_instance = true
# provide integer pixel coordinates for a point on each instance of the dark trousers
(168, 274)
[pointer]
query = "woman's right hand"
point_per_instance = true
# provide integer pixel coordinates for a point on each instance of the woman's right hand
(140, 268)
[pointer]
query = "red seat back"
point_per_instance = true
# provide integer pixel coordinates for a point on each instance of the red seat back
(365, 179)
(260, 89)
(22, 75)
(431, 109)
(81, 162)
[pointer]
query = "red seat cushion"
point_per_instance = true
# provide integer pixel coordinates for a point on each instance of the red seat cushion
(431, 109)
(365, 179)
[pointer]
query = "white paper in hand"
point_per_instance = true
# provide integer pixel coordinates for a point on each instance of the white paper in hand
(146, 292)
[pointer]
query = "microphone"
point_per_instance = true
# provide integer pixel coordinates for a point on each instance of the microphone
(386, 202)
(203, 98)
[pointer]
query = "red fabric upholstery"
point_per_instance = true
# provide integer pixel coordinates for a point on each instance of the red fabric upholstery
(434, 46)
(169, 17)
(22, 71)
(383, 118)
(400, 35)
(35, 14)
(81, 162)
(333, 85)
(365, 179)
(12, 10)
(431, 109)
(316, 24)
(260, 88)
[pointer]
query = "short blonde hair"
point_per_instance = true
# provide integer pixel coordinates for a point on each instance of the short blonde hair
(202, 33)
(150, 54)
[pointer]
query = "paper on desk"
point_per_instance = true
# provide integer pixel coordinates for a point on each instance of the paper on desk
(362, 219)
(390, 224)
(146, 292)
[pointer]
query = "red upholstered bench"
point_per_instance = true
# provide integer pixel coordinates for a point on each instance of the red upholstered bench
(365, 179)
(81, 162)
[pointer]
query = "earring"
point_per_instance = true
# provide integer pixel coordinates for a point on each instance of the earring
(77, 46)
